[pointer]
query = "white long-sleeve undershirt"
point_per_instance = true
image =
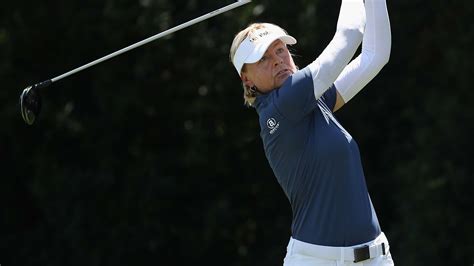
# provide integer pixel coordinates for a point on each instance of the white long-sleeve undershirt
(376, 46)
(337, 54)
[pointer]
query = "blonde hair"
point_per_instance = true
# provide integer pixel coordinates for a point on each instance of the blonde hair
(249, 93)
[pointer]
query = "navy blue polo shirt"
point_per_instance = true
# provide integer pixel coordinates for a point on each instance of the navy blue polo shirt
(317, 163)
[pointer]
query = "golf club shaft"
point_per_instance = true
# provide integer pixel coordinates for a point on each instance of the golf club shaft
(145, 41)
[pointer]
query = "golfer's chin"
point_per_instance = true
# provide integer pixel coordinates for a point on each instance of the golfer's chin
(280, 79)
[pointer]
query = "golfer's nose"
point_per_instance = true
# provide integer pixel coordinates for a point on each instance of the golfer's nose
(277, 59)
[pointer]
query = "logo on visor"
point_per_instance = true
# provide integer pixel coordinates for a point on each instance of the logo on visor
(272, 125)
(256, 36)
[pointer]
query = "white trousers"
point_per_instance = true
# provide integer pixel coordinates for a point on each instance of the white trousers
(299, 254)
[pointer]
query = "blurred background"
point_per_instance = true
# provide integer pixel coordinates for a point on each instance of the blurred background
(152, 158)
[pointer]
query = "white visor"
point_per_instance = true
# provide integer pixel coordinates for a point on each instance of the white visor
(256, 44)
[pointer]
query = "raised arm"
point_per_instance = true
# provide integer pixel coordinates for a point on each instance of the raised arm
(376, 46)
(328, 66)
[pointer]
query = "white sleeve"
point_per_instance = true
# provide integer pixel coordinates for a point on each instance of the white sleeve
(328, 66)
(376, 46)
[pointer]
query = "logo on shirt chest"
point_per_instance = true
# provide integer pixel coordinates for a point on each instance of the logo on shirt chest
(273, 125)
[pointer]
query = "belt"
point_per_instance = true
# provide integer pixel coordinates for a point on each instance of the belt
(369, 252)
(358, 253)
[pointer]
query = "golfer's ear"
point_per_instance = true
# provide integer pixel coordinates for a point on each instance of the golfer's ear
(246, 81)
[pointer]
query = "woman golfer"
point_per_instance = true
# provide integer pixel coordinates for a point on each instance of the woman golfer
(315, 160)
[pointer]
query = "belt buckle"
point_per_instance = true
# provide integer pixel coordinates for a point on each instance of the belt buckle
(361, 253)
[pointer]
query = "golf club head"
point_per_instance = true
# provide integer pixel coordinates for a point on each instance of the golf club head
(30, 104)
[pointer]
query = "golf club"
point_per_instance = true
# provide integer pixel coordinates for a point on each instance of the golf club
(30, 100)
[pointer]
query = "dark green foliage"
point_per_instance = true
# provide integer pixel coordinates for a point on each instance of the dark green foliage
(152, 158)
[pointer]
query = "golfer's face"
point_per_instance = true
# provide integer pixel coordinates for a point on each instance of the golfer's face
(272, 69)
